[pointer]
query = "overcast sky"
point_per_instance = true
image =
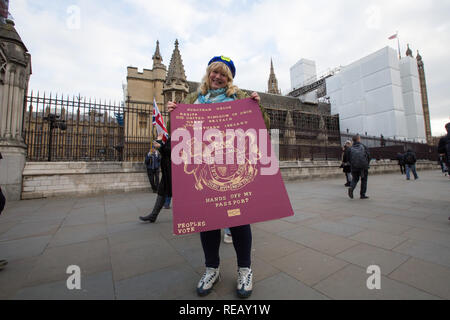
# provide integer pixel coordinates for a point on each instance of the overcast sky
(84, 46)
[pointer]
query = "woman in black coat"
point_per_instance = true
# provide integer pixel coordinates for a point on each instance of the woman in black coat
(165, 185)
(346, 168)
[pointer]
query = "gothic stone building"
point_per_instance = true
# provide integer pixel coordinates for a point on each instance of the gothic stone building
(298, 123)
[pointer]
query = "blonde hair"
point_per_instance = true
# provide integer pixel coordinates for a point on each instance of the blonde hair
(222, 68)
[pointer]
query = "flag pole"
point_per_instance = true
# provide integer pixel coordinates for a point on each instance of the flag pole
(152, 127)
(398, 42)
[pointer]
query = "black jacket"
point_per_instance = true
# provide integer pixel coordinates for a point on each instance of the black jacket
(165, 185)
(442, 147)
(346, 160)
(410, 155)
(401, 159)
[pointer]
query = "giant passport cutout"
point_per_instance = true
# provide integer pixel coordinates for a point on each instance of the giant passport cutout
(224, 171)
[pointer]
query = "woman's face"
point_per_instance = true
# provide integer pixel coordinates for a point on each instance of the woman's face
(217, 80)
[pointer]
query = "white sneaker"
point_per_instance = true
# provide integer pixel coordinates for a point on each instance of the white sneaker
(208, 280)
(244, 282)
(227, 238)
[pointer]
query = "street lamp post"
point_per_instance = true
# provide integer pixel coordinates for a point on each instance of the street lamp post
(54, 123)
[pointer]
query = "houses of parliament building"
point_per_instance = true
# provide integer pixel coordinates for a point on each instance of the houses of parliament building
(298, 123)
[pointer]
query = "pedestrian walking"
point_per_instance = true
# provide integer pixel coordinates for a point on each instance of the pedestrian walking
(3, 263)
(152, 161)
(444, 168)
(359, 158)
(165, 185)
(346, 167)
(410, 164)
(401, 162)
(444, 148)
(217, 86)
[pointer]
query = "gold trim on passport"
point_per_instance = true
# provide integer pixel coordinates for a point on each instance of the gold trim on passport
(234, 212)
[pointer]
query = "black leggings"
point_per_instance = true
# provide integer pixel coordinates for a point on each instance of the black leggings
(242, 242)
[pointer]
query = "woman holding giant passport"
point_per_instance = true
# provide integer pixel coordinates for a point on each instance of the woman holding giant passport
(216, 87)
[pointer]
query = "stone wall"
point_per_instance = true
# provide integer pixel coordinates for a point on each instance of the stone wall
(307, 170)
(52, 179)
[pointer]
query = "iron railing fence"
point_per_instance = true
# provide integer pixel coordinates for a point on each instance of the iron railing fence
(383, 148)
(58, 128)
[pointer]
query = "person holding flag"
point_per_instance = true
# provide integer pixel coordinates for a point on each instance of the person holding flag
(162, 144)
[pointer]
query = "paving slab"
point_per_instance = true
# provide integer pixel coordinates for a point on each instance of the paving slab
(283, 287)
(350, 283)
(165, 283)
(321, 241)
(141, 256)
(365, 255)
(78, 233)
(13, 276)
(429, 277)
(376, 224)
(379, 239)
(437, 237)
(339, 229)
(269, 247)
(23, 248)
(427, 251)
(91, 256)
(97, 286)
(309, 266)
(274, 226)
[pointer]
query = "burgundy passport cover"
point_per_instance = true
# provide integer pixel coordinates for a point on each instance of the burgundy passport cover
(213, 196)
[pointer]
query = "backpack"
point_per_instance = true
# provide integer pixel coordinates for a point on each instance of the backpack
(409, 158)
(359, 157)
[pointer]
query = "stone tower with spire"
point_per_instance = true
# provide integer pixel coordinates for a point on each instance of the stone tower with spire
(176, 86)
(423, 90)
(409, 52)
(272, 84)
(143, 87)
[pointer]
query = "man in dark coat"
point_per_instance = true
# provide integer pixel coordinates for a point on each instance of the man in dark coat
(165, 185)
(401, 162)
(410, 164)
(444, 146)
(152, 161)
(359, 158)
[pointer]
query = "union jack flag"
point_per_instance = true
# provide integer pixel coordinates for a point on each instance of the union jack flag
(158, 121)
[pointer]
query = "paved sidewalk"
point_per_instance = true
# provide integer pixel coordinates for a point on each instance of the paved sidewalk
(320, 253)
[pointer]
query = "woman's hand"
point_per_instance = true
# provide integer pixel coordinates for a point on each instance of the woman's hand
(156, 145)
(255, 97)
(171, 106)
